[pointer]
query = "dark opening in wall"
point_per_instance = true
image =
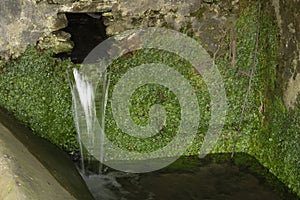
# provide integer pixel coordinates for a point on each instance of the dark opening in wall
(87, 31)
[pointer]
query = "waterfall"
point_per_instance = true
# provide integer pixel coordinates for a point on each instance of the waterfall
(89, 116)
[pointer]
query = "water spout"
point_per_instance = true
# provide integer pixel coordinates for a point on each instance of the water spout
(89, 118)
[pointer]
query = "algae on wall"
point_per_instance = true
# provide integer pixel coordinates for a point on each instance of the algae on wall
(35, 89)
(38, 93)
(277, 144)
(269, 131)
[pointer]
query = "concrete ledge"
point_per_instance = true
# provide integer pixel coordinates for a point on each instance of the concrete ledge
(22, 176)
(34, 167)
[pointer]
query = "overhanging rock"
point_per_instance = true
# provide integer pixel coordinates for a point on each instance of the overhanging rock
(24, 22)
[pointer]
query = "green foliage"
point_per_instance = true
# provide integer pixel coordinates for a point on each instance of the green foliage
(35, 89)
(146, 96)
(269, 130)
(278, 145)
(236, 79)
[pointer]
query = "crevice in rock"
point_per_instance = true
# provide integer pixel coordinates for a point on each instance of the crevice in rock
(87, 31)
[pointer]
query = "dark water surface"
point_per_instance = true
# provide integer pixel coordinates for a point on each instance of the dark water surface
(215, 177)
(213, 181)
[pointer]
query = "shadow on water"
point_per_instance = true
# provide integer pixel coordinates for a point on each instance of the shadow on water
(214, 177)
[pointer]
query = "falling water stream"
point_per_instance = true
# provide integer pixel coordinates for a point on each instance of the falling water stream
(189, 178)
(214, 177)
(90, 128)
(193, 179)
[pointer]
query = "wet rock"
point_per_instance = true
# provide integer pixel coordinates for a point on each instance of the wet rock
(207, 20)
(140, 14)
(59, 42)
(86, 6)
(60, 22)
(288, 19)
(292, 91)
(39, 166)
(23, 22)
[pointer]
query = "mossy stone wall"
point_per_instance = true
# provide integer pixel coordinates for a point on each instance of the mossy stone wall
(35, 87)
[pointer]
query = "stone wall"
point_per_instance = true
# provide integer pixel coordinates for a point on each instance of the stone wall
(288, 17)
(24, 22)
(204, 20)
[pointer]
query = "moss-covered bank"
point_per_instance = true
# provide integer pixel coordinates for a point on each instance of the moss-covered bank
(35, 88)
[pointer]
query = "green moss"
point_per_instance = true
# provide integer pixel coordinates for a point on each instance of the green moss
(35, 89)
(269, 130)
(236, 80)
(146, 96)
(199, 13)
(279, 144)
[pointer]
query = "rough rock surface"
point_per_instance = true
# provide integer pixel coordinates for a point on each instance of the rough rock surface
(288, 17)
(22, 175)
(59, 41)
(24, 22)
(205, 20)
